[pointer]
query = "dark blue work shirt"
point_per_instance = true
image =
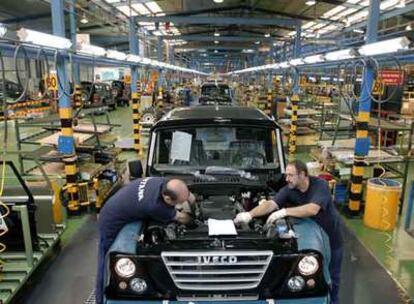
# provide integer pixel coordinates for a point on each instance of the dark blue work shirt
(140, 199)
(318, 193)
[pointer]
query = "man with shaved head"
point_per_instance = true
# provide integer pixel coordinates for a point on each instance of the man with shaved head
(152, 198)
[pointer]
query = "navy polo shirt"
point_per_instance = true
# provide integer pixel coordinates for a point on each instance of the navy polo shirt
(140, 199)
(318, 193)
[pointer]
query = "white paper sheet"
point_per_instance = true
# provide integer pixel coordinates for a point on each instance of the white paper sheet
(181, 146)
(221, 227)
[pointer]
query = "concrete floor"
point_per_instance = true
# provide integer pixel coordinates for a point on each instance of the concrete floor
(372, 272)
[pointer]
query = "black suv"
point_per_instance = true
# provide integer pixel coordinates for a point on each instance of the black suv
(121, 92)
(215, 93)
(97, 94)
(231, 158)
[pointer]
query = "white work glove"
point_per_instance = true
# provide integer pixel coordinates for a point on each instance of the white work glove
(242, 218)
(275, 216)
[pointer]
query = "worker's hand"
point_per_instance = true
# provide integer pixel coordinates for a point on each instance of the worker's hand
(191, 198)
(275, 216)
(242, 218)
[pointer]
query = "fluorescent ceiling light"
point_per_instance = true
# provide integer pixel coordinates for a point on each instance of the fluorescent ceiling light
(146, 60)
(407, 28)
(267, 35)
(127, 10)
(314, 59)
(356, 30)
(116, 55)
(3, 30)
(384, 47)
(247, 51)
(216, 34)
(257, 42)
(215, 51)
(340, 55)
(43, 39)
(140, 8)
(154, 7)
(310, 2)
(400, 4)
(90, 49)
(296, 61)
(216, 42)
(134, 58)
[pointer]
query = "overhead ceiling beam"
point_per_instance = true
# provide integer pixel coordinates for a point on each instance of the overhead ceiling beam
(26, 18)
(220, 38)
(184, 48)
(219, 20)
(343, 3)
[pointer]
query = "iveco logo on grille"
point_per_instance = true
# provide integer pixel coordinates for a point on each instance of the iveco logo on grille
(216, 259)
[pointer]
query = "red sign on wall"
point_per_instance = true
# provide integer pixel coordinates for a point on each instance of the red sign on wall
(391, 77)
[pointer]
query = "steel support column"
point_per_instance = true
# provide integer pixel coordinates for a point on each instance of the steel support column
(66, 143)
(72, 19)
(135, 94)
(362, 139)
(295, 99)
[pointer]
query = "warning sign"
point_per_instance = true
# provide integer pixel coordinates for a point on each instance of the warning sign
(51, 82)
(127, 79)
(391, 77)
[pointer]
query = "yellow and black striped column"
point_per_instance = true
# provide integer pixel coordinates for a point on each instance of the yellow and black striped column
(358, 167)
(99, 199)
(136, 116)
(269, 102)
(77, 99)
(71, 171)
(293, 128)
(160, 99)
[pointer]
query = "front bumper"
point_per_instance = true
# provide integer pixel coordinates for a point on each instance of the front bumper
(319, 300)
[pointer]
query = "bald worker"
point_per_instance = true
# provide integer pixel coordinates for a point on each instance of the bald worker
(148, 198)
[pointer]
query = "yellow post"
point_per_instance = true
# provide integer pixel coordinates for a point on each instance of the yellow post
(136, 116)
(293, 128)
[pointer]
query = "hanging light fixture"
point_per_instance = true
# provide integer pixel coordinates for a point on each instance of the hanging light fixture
(43, 39)
(384, 47)
(216, 34)
(84, 20)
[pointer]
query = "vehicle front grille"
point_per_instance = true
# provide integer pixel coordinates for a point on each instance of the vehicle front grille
(217, 270)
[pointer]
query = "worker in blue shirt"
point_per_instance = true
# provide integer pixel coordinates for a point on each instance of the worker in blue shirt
(305, 196)
(148, 198)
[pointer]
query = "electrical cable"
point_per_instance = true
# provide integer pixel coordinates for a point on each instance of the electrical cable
(39, 73)
(27, 65)
(61, 87)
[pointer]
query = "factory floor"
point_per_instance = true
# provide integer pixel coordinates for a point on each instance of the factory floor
(378, 267)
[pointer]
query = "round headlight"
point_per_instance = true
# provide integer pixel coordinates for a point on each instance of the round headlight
(308, 265)
(138, 285)
(296, 283)
(125, 268)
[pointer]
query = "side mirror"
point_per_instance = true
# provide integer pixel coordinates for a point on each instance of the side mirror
(135, 169)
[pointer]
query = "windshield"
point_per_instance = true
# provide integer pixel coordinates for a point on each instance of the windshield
(196, 148)
(212, 90)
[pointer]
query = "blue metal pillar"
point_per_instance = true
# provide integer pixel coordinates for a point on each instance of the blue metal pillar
(295, 97)
(135, 87)
(66, 143)
(72, 19)
(362, 139)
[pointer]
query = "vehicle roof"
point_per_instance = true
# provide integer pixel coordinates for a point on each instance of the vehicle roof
(214, 84)
(216, 113)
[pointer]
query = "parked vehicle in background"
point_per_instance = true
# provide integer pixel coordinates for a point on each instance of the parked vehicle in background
(13, 91)
(215, 93)
(121, 92)
(97, 94)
